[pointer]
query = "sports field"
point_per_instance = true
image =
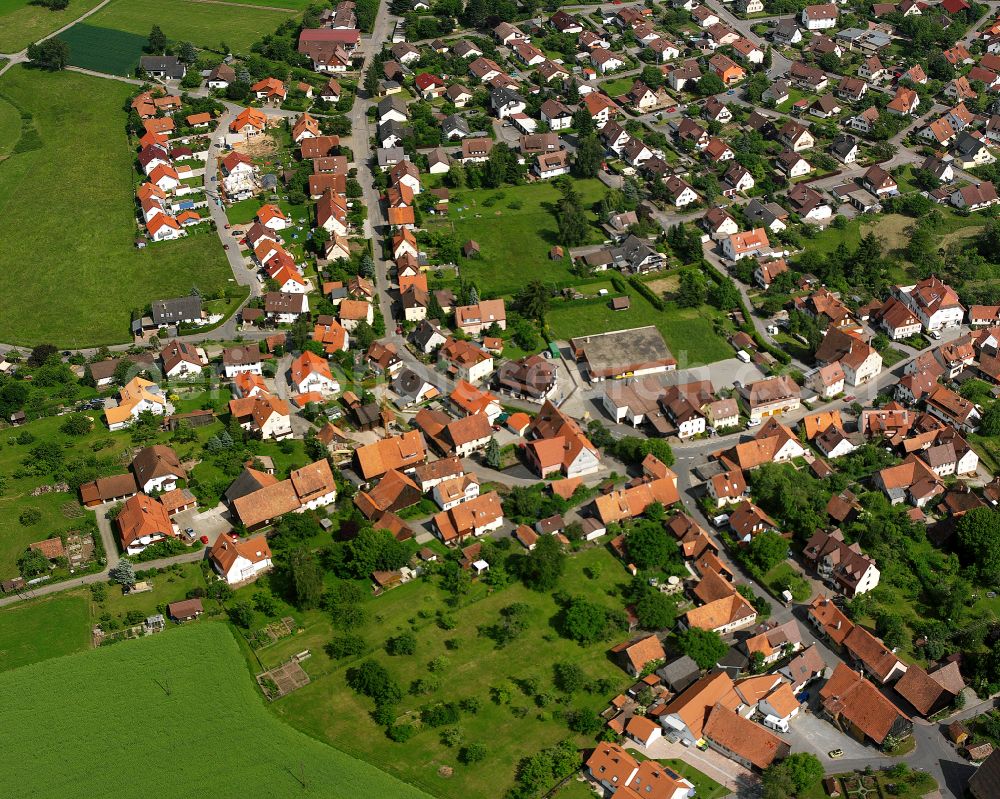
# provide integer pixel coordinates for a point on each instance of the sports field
(186, 700)
(204, 24)
(67, 218)
(103, 49)
(22, 23)
(48, 628)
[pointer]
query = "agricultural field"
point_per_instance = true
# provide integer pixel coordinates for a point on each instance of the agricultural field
(104, 49)
(47, 628)
(515, 250)
(82, 291)
(203, 24)
(328, 710)
(22, 23)
(689, 332)
(191, 688)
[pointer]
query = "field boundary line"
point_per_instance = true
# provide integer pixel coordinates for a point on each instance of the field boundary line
(243, 5)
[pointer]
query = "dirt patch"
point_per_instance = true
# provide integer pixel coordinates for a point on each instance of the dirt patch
(258, 147)
(664, 285)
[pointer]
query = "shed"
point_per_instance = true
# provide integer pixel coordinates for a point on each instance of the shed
(470, 249)
(621, 303)
(831, 786)
(185, 610)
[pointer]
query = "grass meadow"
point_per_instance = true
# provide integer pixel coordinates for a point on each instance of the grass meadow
(327, 709)
(189, 692)
(103, 49)
(689, 332)
(47, 628)
(203, 24)
(22, 23)
(67, 211)
(515, 233)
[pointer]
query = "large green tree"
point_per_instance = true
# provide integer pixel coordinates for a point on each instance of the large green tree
(704, 647)
(52, 54)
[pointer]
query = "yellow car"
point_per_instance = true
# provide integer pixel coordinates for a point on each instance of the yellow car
(836, 754)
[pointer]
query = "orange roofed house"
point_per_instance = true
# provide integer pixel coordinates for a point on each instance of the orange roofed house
(634, 656)
(622, 775)
(857, 707)
(240, 561)
(556, 443)
(473, 518)
(308, 488)
(142, 521)
(403, 452)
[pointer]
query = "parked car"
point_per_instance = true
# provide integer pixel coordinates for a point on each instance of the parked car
(836, 754)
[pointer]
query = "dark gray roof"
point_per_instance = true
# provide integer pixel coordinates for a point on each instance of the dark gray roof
(680, 673)
(167, 64)
(179, 309)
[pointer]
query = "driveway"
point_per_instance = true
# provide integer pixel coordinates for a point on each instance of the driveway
(208, 523)
(711, 763)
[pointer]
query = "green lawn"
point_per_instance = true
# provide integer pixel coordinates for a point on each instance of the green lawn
(328, 710)
(514, 242)
(104, 49)
(47, 628)
(618, 86)
(190, 688)
(10, 127)
(68, 209)
(783, 577)
(204, 24)
(689, 332)
(22, 23)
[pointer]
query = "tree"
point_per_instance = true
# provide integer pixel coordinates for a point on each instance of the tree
(402, 644)
(724, 295)
(187, 53)
(345, 646)
(656, 611)
(691, 292)
(795, 775)
(371, 679)
(375, 550)
(123, 574)
(532, 301)
(52, 54)
(704, 647)
(541, 568)
(767, 550)
(588, 159)
(157, 41)
(649, 547)
(242, 614)
(585, 621)
(568, 677)
(493, 459)
(31, 563)
(472, 753)
(709, 84)
(978, 536)
(989, 425)
(572, 223)
(307, 577)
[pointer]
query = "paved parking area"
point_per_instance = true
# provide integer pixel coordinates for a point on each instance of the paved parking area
(809, 733)
(204, 522)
